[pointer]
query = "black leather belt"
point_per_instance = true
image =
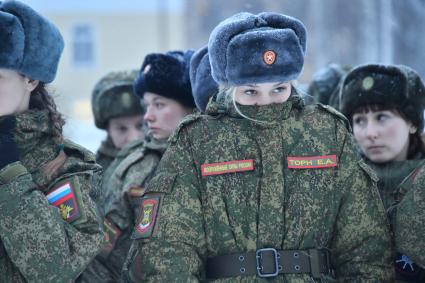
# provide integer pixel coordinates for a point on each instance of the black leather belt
(269, 262)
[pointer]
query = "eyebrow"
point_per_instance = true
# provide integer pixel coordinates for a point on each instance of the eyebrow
(154, 99)
(279, 83)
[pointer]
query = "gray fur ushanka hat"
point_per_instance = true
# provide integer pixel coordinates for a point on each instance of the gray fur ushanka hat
(247, 48)
(203, 84)
(30, 44)
(395, 86)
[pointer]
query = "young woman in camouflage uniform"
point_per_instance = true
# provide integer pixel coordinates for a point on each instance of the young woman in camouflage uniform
(164, 86)
(118, 111)
(385, 105)
(49, 226)
(262, 187)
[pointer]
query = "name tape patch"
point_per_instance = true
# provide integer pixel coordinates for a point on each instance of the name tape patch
(65, 199)
(227, 167)
(326, 161)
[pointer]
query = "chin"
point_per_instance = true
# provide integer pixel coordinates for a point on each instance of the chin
(379, 159)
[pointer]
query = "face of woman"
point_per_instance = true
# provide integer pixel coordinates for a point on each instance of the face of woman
(162, 114)
(263, 93)
(123, 130)
(15, 92)
(383, 136)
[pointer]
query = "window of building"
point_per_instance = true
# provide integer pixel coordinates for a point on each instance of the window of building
(83, 46)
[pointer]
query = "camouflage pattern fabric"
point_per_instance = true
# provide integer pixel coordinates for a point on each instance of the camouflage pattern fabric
(121, 203)
(266, 205)
(108, 172)
(106, 153)
(393, 178)
(98, 270)
(38, 241)
(409, 228)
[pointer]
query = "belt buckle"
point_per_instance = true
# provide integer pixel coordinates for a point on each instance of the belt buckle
(259, 256)
(326, 256)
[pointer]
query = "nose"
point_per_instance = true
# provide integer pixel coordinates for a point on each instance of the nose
(149, 115)
(372, 131)
(264, 100)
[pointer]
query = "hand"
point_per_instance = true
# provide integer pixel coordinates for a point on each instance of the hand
(8, 149)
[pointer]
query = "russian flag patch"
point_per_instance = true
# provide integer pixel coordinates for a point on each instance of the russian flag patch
(63, 197)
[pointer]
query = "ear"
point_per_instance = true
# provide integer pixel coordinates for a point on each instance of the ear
(31, 84)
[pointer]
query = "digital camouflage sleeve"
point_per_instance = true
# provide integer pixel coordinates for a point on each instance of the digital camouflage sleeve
(49, 234)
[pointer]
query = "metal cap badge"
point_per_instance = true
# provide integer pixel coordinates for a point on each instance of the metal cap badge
(269, 57)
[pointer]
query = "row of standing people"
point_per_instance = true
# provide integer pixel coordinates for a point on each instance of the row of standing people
(258, 185)
(356, 100)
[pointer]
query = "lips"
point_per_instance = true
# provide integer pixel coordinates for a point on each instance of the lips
(375, 148)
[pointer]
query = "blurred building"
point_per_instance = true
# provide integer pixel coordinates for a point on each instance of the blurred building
(104, 36)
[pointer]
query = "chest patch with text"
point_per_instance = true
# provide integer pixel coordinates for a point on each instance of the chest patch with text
(227, 167)
(308, 162)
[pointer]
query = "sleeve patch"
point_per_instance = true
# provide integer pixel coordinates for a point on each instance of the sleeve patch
(64, 197)
(145, 224)
(111, 235)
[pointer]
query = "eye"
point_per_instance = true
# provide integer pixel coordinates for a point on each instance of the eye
(250, 92)
(359, 121)
(382, 117)
(159, 105)
(122, 129)
(279, 90)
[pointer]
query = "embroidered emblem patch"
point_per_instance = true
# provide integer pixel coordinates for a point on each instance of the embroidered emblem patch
(136, 192)
(269, 57)
(295, 162)
(405, 267)
(64, 198)
(148, 213)
(111, 234)
(227, 167)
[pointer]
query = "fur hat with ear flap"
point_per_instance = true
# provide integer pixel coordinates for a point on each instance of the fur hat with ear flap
(326, 82)
(30, 44)
(203, 84)
(166, 74)
(396, 86)
(247, 48)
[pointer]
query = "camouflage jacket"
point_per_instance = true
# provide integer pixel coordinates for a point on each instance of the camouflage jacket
(106, 154)
(227, 185)
(50, 228)
(108, 172)
(121, 203)
(394, 179)
(409, 219)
